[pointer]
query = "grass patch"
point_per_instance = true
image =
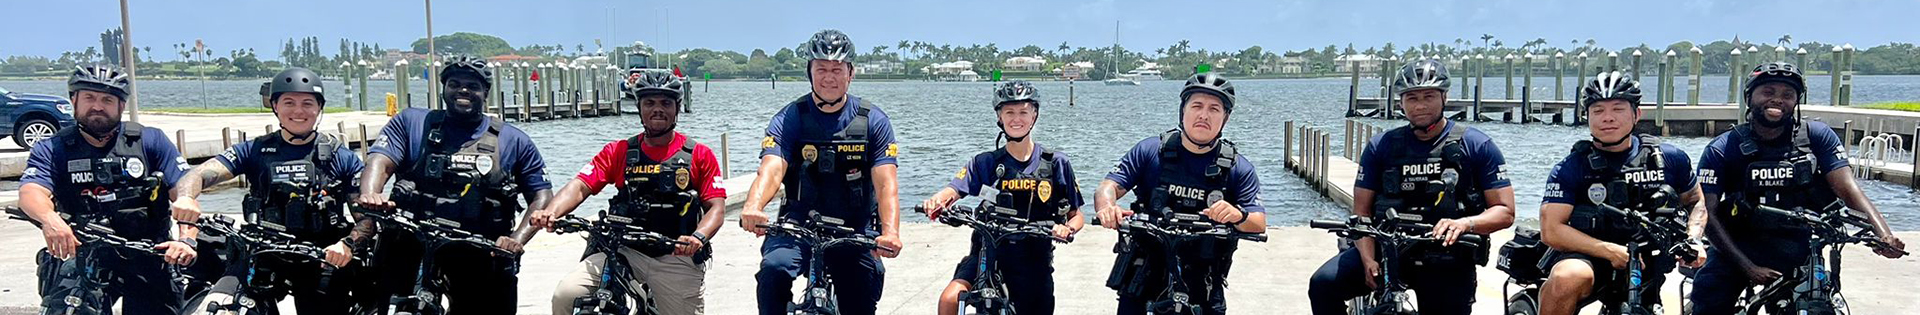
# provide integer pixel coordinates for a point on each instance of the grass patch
(1902, 106)
(229, 110)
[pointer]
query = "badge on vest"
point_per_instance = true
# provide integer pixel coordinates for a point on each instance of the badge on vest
(136, 168)
(1597, 193)
(1215, 197)
(809, 153)
(682, 178)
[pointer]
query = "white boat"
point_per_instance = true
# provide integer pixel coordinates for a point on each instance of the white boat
(1115, 78)
(1144, 75)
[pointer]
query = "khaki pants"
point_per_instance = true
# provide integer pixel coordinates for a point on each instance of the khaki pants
(676, 282)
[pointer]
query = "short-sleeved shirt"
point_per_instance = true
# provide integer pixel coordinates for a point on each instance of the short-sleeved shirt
(788, 133)
(1569, 174)
(244, 159)
(1722, 156)
(606, 167)
(404, 139)
(48, 158)
(1139, 171)
(1484, 162)
(979, 173)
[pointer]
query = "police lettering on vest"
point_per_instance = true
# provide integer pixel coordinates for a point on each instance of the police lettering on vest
(658, 196)
(300, 193)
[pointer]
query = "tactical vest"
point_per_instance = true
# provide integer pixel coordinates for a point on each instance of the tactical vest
(120, 189)
(1631, 186)
(1783, 177)
(841, 158)
(1425, 187)
(1186, 191)
(1034, 197)
(658, 196)
(297, 194)
(461, 181)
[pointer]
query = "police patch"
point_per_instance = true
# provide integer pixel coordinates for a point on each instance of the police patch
(136, 168)
(767, 143)
(1597, 193)
(483, 164)
(1214, 197)
(893, 150)
(961, 175)
(809, 153)
(682, 178)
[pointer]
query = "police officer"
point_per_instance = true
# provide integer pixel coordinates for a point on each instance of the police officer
(460, 165)
(1451, 175)
(302, 179)
(659, 174)
(1037, 182)
(1188, 170)
(107, 172)
(844, 167)
(1779, 160)
(1622, 169)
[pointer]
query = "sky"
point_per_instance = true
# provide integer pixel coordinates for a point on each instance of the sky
(49, 27)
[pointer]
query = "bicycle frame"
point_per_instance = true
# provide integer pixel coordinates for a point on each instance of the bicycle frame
(988, 294)
(818, 297)
(1172, 231)
(434, 236)
(1391, 236)
(607, 237)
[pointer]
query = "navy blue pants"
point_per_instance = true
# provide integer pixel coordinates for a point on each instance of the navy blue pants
(1442, 288)
(1718, 284)
(1026, 267)
(857, 275)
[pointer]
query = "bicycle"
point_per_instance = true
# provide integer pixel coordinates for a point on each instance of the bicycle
(86, 282)
(1814, 287)
(435, 234)
(988, 293)
(1392, 236)
(1174, 231)
(820, 233)
(606, 236)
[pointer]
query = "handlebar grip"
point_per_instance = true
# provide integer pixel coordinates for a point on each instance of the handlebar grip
(1471, 238)
(1262, 237)
(1777, 211)
(1327, 224)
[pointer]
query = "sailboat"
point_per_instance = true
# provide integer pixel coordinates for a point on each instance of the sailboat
(1113, 73)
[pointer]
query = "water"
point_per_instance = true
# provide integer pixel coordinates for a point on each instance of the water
(940, 125)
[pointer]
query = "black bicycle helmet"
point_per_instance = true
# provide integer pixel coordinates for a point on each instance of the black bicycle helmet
(645, 82)
(1211, 84)
(467, 65)
(830, 45)
(1776, 72)
(1015, 91)
(297, 79)
(1611, 85)
(99, 78)
(1421, 75)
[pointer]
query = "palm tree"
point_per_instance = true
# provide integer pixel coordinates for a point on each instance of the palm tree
(1484, 38)
(1786, 40)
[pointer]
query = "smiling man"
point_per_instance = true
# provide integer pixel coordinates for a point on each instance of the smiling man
(456, 164)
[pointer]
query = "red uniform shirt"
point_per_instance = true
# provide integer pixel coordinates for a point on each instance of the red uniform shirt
(606, 167)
